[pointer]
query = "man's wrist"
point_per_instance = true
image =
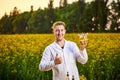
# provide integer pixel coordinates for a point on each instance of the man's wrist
(53, 63)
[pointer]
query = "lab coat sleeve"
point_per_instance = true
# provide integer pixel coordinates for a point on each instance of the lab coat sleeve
(81, 55)
(46, 62)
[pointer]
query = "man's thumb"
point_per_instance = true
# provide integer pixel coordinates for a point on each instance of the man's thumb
(56, 54)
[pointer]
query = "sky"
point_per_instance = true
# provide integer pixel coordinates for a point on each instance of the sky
(24, 5)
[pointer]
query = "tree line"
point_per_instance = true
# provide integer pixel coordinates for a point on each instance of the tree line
(79, 16)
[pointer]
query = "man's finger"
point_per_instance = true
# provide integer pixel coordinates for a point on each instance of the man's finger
(82, 42)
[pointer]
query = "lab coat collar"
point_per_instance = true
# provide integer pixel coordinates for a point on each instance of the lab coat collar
(58, 46)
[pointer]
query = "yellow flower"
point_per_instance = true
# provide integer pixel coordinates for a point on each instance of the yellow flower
(82, 77)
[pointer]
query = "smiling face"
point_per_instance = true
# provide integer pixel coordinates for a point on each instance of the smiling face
(59, 32)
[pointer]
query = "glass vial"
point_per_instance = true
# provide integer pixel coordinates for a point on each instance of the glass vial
(67, 77)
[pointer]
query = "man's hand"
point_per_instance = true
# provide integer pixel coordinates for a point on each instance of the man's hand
(83, 44)
(58, 59)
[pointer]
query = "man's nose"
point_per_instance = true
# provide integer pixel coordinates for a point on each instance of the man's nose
(60, 31)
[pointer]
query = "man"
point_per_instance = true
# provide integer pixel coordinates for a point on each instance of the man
(61, 55)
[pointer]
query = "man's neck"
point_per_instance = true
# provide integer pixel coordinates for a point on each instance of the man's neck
(61, 43)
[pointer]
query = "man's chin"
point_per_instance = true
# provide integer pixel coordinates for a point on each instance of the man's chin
(59, 39)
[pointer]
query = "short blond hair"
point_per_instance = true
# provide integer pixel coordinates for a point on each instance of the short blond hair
(58, 23)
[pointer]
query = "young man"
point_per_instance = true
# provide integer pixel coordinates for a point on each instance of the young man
(61, 55)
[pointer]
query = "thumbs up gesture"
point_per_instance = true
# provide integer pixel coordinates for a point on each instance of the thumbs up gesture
(58, 59)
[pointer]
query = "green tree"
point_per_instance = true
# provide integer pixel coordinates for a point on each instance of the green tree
(51, 15)
(86, 23)
(69, 16)
(6, 22)
(63, 3)
(101, 12)
(114, 13)
(4, 27)
(81, 9)
(39, 22)
(20, 23)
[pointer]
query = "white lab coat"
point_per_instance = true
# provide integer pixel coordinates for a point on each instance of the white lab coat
(70, 54)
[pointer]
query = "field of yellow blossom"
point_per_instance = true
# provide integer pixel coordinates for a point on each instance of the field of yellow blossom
(20, 56)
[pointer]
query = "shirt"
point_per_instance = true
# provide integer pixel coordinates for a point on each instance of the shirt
(70, 54)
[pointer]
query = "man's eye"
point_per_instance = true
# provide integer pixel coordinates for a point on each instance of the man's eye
(57, 30)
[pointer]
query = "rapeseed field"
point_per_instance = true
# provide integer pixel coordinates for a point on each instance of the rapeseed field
(20, 56)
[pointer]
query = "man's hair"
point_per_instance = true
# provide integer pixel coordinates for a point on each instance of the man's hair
(58, 23)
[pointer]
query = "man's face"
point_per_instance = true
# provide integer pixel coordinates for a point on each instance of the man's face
(59, 32)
